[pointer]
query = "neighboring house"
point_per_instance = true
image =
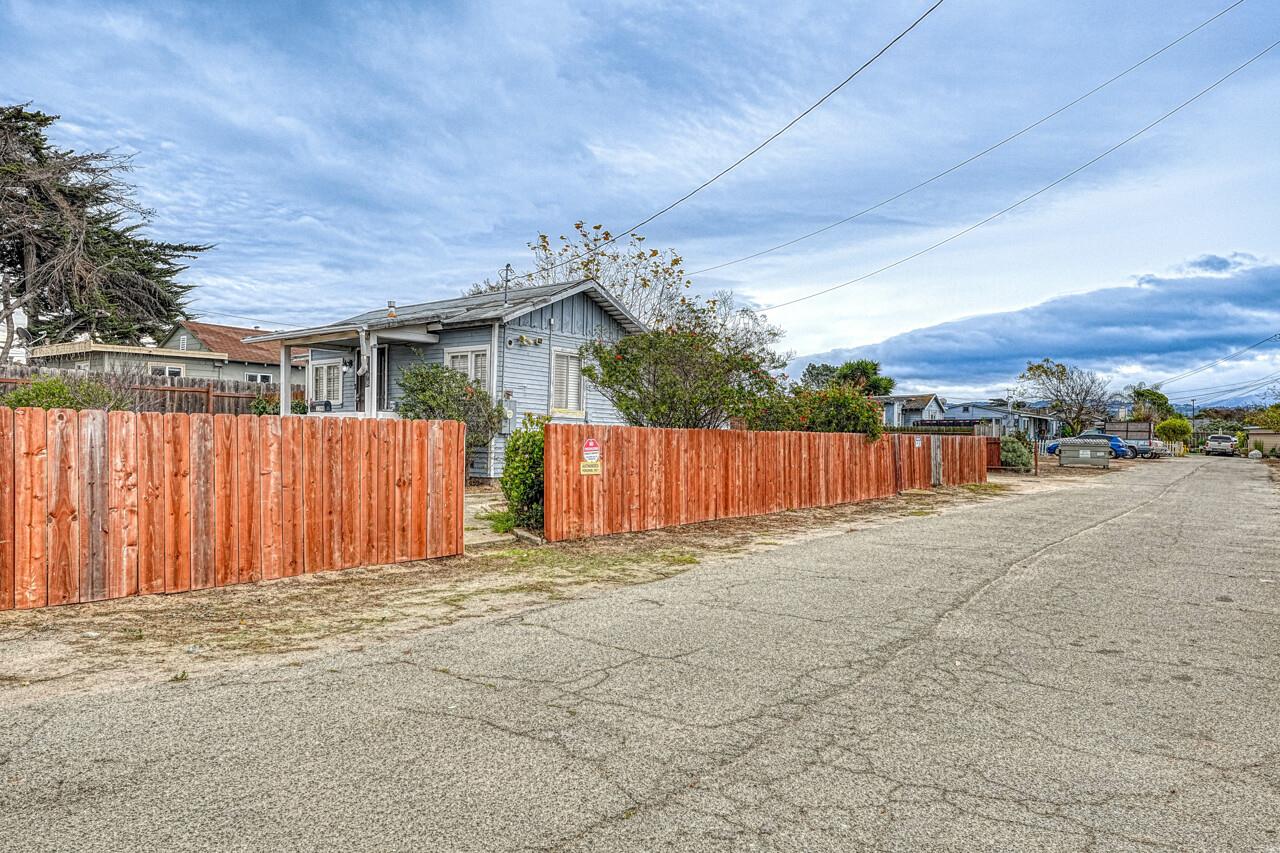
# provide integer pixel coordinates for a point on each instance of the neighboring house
(521, 347)
(18, 352)
(1269, 439)
(193, 350)
(903, 410)
(1005, 419)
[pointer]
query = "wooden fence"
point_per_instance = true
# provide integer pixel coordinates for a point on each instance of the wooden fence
(141, 392)
(653, 478)
(97, 505)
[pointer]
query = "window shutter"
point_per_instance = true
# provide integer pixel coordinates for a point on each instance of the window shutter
(567, 382)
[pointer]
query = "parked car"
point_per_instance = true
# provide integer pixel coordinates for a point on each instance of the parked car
(1119, 448)
(1220, 445)
(1152, 449)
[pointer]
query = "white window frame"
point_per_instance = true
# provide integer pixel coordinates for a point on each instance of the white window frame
(311, 380)
(557, 411)
(166, 366)
(471, 353)
(259, 377)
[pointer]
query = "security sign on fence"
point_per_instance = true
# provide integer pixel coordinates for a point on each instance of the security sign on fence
(652, 478)
(97, 505)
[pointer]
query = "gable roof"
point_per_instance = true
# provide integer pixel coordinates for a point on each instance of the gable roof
(908, 401)
(491, 305)
(230, 340)
(475, 310)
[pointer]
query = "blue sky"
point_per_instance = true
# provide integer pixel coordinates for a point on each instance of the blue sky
(340, 155)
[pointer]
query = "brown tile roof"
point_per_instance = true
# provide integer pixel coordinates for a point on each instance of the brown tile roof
(228, 339)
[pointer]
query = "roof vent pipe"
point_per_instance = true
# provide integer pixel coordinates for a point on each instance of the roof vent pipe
(391, 309)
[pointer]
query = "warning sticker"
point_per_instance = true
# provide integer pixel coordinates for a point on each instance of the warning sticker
(589, 467)
(590, 450)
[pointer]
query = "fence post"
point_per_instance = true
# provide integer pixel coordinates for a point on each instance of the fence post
(208, 396)
(935, 451)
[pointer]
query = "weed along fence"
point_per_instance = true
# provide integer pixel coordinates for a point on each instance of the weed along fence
(610, 479)
(97, 505)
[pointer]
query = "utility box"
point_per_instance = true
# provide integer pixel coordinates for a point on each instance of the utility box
(1084, 452)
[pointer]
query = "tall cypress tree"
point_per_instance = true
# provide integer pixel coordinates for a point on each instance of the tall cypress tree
(72, 252)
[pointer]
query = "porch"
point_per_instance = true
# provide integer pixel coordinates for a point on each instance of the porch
(349, 373)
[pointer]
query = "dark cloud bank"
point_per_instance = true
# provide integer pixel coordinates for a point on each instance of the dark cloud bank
(1166, 324)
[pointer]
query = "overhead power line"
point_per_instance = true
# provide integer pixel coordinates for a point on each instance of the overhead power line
(1035, 194)
(274, 323)
(1228, 388)
(736, 163)
(1193, 371)
(1242, 392)
(984, 152)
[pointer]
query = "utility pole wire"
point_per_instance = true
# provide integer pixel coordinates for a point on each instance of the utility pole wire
(984, 152)
(702, 186)
(1028, 198)
(1192, 372)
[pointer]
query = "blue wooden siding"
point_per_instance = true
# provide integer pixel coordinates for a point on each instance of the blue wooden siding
(523, 366)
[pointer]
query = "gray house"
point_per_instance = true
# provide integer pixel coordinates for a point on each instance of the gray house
(998, 417)
(522, 347)
(903, 410)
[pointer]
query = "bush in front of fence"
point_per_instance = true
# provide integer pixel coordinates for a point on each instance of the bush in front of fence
(59, 393)
(522, 472)
(1015, 453)
(435, 392)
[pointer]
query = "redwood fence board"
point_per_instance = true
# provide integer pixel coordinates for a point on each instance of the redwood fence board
(203, 508)
(122, 506)
(30, 482)
(226, 544)
(97, 505)
(151, 503)
(6, 508)
(64, 575)
(654, 478)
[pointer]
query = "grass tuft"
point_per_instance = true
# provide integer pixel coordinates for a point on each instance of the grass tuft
(502, 521)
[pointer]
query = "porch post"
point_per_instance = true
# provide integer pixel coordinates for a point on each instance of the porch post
(286, 377)
(371, 379)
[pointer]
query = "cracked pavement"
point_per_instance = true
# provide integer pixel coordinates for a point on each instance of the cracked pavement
(1089, 668)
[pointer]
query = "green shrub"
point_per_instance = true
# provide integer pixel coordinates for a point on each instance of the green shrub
(270, 405)
(58, 393)
(434, 392)
(835, 408)
(1174, 429)
(522, 472)
(1014, 453)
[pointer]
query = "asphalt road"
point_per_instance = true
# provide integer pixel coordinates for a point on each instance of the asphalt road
(1093, 668)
